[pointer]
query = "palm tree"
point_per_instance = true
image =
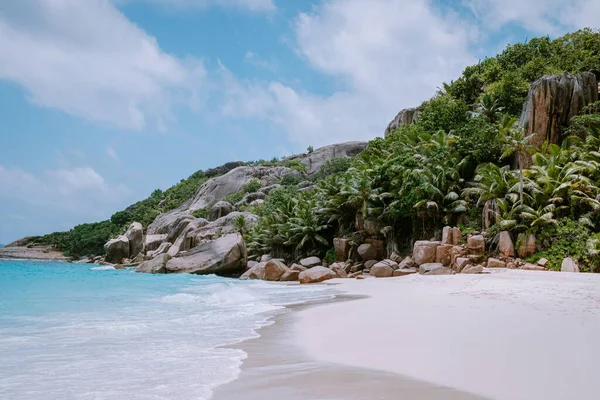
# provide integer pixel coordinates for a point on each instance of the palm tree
(491, 185)
(517, 142)
(487, 107)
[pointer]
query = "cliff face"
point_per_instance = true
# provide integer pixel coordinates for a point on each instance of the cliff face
(315, 160)
(404, 117)
(551, 103)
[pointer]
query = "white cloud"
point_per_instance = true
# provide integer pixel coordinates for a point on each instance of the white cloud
(112, 153)
(250, 5)
(543, 17)
(86, 59)
(257, 61)
(79, 190)
(387, 56)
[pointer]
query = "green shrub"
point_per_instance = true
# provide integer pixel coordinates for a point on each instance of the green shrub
(202, 213)
(567, 238)
(330, 256)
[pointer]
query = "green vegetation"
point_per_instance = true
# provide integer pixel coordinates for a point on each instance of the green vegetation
(249, 187)
(453, 164)
(450, 167)
(89, 239)
(202, 213)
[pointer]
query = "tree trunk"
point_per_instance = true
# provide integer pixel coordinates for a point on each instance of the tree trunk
(520, 181)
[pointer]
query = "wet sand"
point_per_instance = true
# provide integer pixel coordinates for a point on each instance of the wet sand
(278, 368)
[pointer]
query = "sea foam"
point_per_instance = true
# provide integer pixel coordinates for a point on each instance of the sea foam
(68, 331)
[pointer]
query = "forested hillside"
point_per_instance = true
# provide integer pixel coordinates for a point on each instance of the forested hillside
(456, 163)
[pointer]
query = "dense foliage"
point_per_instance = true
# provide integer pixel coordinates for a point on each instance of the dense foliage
(452, 166)
(89, 239)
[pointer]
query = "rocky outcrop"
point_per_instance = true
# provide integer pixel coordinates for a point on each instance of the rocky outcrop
(342, 248)
(153, 242)
(135, 235)
(117, 249)
(568, 265)
(316, 274)
(225, 255)
(527, 245)
(215, 190)
(551, 103)
(162, 249)
(506, 247)
(24, 249)
(404, 117)
(315, 160)
(367, 252)
(424, 251)
(476, 244)
(310, 262)
(221, 209)
(157, 265)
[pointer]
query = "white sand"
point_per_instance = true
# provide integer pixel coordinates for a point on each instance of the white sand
(507, 335)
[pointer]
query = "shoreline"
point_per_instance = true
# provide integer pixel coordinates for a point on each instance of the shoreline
(278, 367)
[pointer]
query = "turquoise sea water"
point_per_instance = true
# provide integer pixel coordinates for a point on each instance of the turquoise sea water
(79, 331)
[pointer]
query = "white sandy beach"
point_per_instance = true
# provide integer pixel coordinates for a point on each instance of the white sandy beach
(506, 335)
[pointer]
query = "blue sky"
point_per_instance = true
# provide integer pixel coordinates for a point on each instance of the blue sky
(103, 101)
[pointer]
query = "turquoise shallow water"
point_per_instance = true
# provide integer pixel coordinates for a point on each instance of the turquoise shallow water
(79, 331)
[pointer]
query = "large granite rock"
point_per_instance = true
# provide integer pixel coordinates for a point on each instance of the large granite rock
(310, 262)
(551, 103)
(568, 265)
(527, 245)
(382, 270)
(274, 270)
(223, 226)
(217, 189)
(221, 209)
(367, 252)
(157, 265)
(135, 235)
(342, 248)
(316, 274)
(153, 242)
(506, 247)
(495, 263)
(442, 254)
(225, 255)
(476, 244)
(424, 251)
(315, 160)
(162, 249)
(256, 272)
(434, 269)
(117, 249)
(404, 117)
(183, 242)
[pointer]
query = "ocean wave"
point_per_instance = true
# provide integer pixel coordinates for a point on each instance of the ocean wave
(102, 268)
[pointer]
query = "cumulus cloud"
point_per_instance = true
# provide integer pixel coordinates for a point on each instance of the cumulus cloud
(544, 17)
(87, 59)
(79, 190)
(389, 55)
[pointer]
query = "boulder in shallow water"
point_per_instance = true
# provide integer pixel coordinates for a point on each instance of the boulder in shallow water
(256, 272)
(225, 255)
(117, 249)
(155, 266)
(135, 235)
(316, 274)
